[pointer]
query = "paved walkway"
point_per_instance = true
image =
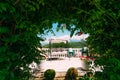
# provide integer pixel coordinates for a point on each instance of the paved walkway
(61, 67)
(58, 76)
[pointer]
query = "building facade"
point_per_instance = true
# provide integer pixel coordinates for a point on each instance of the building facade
(63, 52)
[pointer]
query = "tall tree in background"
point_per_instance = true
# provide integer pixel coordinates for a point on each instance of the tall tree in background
(22, 20)
(60, 45)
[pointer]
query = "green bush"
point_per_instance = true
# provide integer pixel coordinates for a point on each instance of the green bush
(71, 74)
(88, 76)
(49, 74)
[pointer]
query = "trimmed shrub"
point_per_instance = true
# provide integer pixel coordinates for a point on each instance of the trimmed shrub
(71, 74)
(49, 74)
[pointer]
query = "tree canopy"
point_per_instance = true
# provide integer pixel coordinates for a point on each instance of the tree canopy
(22, 20)
(68, 45)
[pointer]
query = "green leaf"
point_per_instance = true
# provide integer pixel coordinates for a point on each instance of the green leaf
(12, 10)
(3, 49)
(11, 76)
(119, 13)
(3, 74)
(21, 25)
(14, 38)
(4, 30)
(3, 58)
(113, 77)
(3, 6)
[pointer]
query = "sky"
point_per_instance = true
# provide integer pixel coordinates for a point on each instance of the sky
(63, 35)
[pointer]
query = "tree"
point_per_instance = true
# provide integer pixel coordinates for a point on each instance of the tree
(18, 38)
(22, 20)
(59, 45)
